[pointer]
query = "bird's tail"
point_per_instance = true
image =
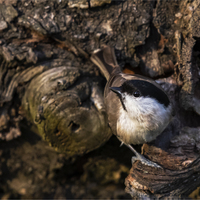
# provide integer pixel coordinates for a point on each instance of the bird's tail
(106, 61)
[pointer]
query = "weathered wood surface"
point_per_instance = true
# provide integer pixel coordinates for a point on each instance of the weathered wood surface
(46, 77)
(180, 173)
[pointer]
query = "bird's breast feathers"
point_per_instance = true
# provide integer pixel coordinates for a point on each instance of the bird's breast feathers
(143, 121)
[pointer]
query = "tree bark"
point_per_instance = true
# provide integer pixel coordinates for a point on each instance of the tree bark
(46, 77)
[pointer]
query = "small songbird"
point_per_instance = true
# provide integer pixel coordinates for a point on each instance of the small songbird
(137, 107)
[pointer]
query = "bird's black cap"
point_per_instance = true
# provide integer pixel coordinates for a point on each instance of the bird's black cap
(145, 89)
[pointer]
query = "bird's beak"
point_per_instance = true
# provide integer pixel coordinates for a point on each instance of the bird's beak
(116, 90)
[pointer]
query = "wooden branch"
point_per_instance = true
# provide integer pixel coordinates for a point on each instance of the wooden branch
(180, 172)
(67, 106)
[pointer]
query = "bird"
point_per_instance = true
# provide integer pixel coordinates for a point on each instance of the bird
(137, 107)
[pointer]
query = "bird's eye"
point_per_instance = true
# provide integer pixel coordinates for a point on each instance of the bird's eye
(136, 93)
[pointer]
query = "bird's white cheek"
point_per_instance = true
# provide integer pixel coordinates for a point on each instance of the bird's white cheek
(134, 106)
(146, 111)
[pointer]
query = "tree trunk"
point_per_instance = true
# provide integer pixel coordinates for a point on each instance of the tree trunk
(47, 78)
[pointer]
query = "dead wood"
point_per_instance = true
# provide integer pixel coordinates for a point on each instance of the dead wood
(46, 78)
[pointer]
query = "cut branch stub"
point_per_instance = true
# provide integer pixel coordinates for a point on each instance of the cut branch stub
(62, 105)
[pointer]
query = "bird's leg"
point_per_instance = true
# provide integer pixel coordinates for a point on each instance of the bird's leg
(143, 160)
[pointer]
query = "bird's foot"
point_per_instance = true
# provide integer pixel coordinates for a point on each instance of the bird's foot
(145, 161)
(140, 157)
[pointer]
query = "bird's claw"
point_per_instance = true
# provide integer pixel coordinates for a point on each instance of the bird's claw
(145, 161)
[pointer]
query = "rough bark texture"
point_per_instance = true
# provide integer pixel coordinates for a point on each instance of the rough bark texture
(46, 79)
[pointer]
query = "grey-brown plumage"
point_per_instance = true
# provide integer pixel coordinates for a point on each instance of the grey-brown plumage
(137, 107)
